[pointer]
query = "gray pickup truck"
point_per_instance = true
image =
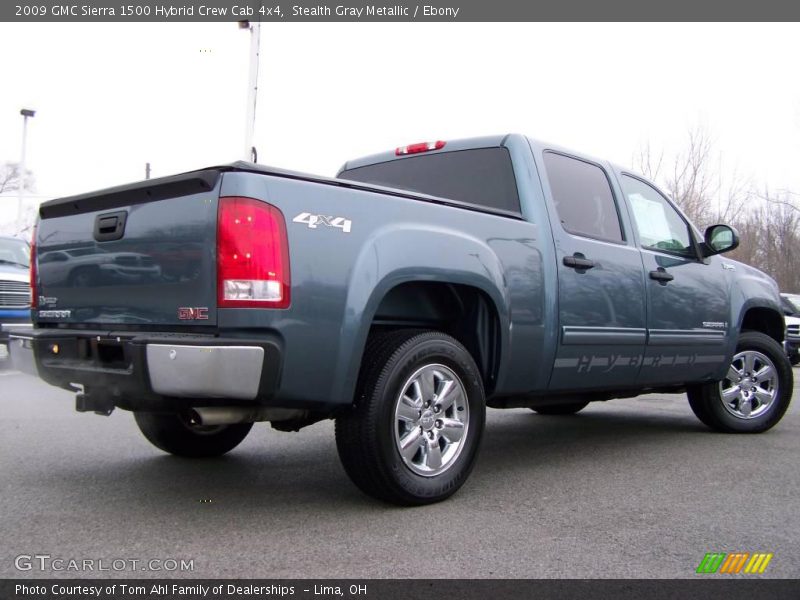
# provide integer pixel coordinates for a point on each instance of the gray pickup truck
(400, 299)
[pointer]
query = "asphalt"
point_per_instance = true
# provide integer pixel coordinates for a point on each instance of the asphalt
(627, 488)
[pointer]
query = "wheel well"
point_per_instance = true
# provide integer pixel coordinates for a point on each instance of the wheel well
(462, 311)
(764, 320)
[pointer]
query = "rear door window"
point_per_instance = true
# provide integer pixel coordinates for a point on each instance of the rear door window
(583, 198)
(481, 176)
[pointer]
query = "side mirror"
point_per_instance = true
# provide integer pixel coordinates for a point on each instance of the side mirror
(719, 239)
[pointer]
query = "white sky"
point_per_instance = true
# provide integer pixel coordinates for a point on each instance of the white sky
(110, 97)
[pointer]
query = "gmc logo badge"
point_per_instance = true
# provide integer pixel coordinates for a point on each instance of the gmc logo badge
(186, 313)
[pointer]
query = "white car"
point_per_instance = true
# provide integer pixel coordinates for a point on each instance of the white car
(792, 340)
(791, 312)
(15, 289)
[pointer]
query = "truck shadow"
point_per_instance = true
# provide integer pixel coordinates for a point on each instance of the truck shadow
(531, 437)
(304, 472)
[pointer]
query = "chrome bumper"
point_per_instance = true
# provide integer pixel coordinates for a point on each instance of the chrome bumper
(20, 347)
(151, 370)
(205, 371)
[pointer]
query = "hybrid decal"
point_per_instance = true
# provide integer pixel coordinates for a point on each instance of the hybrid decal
(591, 362)
(313, 221)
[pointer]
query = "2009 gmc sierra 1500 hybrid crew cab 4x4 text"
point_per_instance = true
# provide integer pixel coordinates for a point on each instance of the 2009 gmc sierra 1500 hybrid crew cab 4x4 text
(401, 298)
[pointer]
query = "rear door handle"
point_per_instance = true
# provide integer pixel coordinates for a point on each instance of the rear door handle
(661, 276)
(578, 261)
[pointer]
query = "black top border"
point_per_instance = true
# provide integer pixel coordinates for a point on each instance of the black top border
(130, 11)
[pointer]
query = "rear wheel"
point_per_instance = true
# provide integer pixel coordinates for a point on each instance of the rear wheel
(414, 433)
(560, 409)
(755, 392)
(174, 434)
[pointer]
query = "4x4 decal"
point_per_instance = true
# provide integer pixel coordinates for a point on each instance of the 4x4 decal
(313, 221)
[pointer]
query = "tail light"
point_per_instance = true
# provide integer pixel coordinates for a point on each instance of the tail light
(421, 147)
(252, 255)
(34, 293)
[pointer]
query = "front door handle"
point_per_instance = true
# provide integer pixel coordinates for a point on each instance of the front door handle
(578, 261)
(661, 276)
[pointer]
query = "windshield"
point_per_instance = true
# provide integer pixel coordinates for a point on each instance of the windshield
(14, 252)
(791, 302)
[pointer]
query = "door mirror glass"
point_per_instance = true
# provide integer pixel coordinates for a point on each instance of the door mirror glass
(719, 239)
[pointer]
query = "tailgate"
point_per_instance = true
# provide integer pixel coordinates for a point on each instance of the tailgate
(142, 254)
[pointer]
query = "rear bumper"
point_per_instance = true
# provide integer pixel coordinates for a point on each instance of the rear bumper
(6, 328)
(152, 371)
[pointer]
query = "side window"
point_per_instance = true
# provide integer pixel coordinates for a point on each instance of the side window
(659, 225)
(583, 198)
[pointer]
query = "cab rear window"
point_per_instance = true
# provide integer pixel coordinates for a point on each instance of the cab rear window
(481, 176)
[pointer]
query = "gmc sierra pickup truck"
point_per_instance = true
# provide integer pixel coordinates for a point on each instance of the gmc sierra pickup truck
(400, 299)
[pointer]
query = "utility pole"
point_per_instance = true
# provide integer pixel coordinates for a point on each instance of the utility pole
(252, 88)
(25, 112)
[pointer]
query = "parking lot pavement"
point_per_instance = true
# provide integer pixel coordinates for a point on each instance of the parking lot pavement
(628, 488)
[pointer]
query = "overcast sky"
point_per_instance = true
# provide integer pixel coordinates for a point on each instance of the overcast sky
(110, 97)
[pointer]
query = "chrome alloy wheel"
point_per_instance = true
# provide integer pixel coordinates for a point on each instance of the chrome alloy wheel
(750, 386)
(431, 419)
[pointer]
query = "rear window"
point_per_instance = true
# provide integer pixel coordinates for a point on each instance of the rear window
(482, 176)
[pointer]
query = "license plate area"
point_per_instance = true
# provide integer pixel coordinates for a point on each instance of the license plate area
(110, 354)
(94, 352)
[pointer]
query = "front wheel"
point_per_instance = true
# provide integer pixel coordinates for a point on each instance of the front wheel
(174, 434)
(414, 433)
(755, 392)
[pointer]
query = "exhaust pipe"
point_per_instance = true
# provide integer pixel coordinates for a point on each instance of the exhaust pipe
(230, 415)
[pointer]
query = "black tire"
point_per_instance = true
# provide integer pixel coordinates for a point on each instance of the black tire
(560, 409)
(707, 401)
(173, 434)
(368, 438)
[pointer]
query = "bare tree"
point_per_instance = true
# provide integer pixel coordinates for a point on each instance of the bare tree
(10, 178)
(688, 178)
(787, 198)
(770, 234)
(646, 163)
(691, 183)
(768, 222)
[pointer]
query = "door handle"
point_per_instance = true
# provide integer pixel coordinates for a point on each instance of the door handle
(110, 226)
(578, 261)
(661, 276)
